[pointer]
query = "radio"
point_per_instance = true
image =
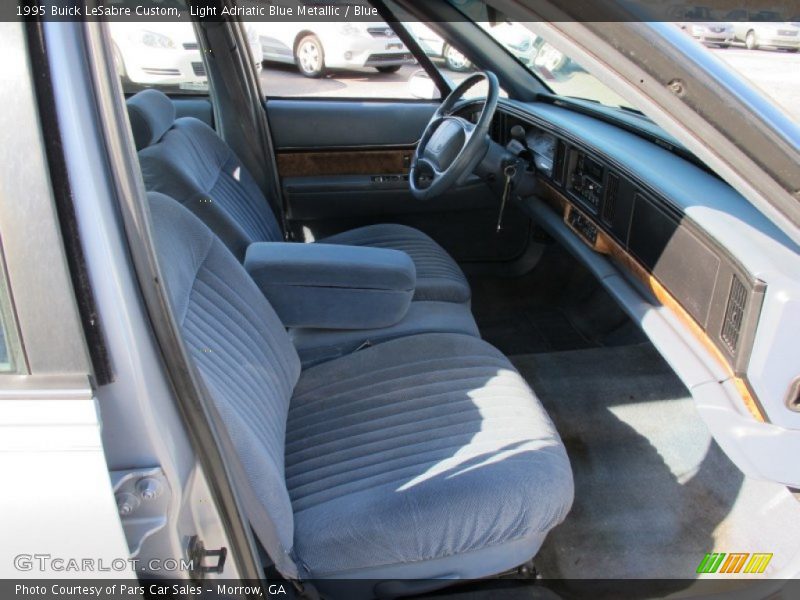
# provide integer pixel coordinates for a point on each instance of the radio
(586, 181)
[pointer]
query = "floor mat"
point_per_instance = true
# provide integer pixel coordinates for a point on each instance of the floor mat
(557, 306)
(528, 331)
(653, 492)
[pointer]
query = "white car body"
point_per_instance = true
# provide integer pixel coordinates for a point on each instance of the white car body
(345, 45)
(164, 53)
(700, 22)
(711, 32)
(514, 37)
(764, 29)
(774, 34)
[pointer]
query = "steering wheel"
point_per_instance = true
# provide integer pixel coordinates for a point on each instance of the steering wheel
(451, 147)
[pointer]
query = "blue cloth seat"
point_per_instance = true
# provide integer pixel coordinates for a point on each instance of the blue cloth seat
(185, 159)
(419, 450)
(422, 457)
(441, 279)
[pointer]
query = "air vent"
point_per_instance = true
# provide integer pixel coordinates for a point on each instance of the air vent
(610, 201)
(558, 166)
(734, 315)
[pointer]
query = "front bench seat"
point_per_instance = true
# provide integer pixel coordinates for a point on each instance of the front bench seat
(423, 457)
(187, 160)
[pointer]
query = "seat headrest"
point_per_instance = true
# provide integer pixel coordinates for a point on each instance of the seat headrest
(151, 114)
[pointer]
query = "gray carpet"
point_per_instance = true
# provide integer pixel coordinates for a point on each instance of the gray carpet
(529, 331)
(653, 493)
(557, 306)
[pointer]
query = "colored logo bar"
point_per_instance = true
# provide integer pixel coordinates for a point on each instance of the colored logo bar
(734, 562)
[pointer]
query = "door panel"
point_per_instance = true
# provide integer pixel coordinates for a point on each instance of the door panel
(319, 124)
(344, 164)
(198, 107)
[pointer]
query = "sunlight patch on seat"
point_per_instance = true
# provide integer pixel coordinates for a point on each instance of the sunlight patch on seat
(502, 434)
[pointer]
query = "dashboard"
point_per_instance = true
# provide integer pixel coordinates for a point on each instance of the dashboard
(616, 215)
(675, 230)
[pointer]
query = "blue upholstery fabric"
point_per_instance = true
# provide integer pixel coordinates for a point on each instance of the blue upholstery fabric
(332, 265)
(239, 346)
(404, 454)
(191, 163)
(151, 114)
(438, 276)
(321, 345)
(419, 449)
(335, 287)
(194, 166)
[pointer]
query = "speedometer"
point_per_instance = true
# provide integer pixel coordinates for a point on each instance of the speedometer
(543, 146)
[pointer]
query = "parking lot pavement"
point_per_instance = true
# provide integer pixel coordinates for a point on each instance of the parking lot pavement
(284, 80)
(775, 73)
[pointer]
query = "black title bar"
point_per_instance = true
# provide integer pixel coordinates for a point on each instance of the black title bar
(363, 11)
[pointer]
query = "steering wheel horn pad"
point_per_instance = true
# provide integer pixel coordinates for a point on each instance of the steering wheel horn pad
(445, 144)
(451, 147)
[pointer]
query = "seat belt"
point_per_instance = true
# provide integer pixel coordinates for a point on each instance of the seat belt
(250, 136)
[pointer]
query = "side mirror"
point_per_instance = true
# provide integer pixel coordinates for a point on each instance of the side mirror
(421, 86)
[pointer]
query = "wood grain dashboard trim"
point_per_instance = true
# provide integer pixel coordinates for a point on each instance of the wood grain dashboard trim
(608, 246)
(344, 162)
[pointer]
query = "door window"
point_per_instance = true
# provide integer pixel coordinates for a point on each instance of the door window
(334, 59)
(159, 54)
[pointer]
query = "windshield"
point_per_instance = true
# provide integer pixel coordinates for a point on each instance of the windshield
(764, 51)
(563, 75)
(559, 72)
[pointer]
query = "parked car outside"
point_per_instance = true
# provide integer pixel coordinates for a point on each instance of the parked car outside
(434, 46)
(165, 53)
(517, 39)
(710, 33)
(550, 62)
(764, 28)
(700, 23)
(316, 47)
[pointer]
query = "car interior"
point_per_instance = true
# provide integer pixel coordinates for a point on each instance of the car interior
(441, 335)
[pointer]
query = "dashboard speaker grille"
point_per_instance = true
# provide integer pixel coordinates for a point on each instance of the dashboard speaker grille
(734, 314)
(610, 201)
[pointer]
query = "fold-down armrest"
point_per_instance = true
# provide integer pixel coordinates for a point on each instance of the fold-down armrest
(331, 286)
